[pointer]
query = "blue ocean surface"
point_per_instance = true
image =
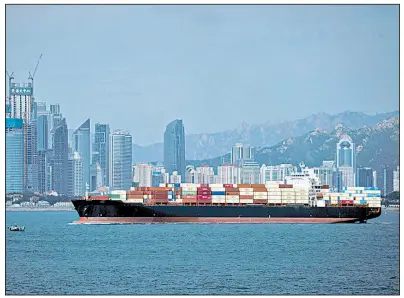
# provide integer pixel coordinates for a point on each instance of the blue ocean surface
(55, 257)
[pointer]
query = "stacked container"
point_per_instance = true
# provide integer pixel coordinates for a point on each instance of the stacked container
(232, 194)
(301, 194)
(204, 194)
(135, 196)
(287, 194)
(218, 193)
(189, 193)
(246, 194)
(260, 194)
(274, 193)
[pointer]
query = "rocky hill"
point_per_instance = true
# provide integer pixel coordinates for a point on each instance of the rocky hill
(205, 146)
(376, 145)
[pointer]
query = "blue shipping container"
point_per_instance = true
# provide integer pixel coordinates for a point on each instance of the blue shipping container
(218, 193)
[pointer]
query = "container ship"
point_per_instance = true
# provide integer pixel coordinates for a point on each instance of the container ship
(273, 202)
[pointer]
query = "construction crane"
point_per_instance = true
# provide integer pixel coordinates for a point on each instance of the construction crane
(31, 77)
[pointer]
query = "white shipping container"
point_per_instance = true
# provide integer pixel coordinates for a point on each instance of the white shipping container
(275, 201)
(232, 197)
(232, 201)
(216, 185)
(302, 201)
(218, 197)
(260, 197)
(320, 203)
(247, 201)
(217, 200)
(248, 189)
(218, 189)
(118, 192)
(374, 205)
(275, 197)
(260, 193)
(135, 200)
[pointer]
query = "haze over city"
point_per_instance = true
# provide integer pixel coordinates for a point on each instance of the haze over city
(140, 67)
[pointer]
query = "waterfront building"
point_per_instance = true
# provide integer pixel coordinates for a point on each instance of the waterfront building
(204, 175)
(385, 180)
(143, 174)
(174, 147)
(276, 173)
(75, 175)
(120, 160)
(240, 154)
(101, 149)
(228, 174)
(346, 160)
(81, 144)
(60, 158)
(364, 177)
(14, 155)
(250, 173)
(42, 149)
(396, 179)
(175, 177)
(190, 174)
(96, 176)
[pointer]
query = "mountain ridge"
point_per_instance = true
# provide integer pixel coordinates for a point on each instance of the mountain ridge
(211, 145)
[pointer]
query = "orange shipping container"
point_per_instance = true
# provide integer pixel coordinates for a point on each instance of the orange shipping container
(260, 201)
(246, 197)
(99, 198)
(324, 186)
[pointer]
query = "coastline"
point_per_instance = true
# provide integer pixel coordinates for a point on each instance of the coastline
(13, 209)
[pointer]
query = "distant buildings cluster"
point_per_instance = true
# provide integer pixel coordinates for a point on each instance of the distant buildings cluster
(42, 157)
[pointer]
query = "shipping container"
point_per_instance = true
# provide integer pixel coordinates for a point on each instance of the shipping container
(246, 201)
(260, 201)
(135, 200)
(218, 193)
(118, 192)
(98, 198)
(285, 185)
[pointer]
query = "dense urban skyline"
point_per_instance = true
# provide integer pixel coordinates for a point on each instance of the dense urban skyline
(336, 58)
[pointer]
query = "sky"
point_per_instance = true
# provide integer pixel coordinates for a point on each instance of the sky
(214, 66)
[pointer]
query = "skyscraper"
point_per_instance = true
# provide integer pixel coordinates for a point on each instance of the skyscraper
(81, 144)
(60, 158)
(364, 177)
(228, 174)
(101, 150)
(32, 155)
(396, 179)
(14, 155)
(174, 148)
(96, 180)
(346, 161)
(250, 172)
(20, 104)
(240, 154)
(120, 161)
(385, 180)
(42, 148)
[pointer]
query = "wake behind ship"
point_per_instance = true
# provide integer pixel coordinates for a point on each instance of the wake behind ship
(230, 203)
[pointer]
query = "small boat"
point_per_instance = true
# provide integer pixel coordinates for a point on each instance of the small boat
(15, 228)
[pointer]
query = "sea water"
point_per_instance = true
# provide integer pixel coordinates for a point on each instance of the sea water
(55, 257)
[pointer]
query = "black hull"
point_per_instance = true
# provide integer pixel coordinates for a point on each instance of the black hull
(118, 210)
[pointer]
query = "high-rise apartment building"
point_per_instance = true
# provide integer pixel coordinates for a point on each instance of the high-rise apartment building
(396, 179)
(42, 149)
(81, 144)
(101, 149)
(228, 174)
(240, 154)
(325, 173)
(60, 158)
(204, 175)
(75, 175)
(276, 173)
(120, 160)
(14, 155)
(175, 177)
(96, 176)
(174, 147)
(190, 174)
(250, 173)
(364, 177)
(143, 174)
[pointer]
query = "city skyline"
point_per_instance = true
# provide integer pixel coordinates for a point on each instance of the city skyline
(255, 62)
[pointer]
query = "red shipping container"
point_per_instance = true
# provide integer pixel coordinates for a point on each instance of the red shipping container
(134, 192)
(203, 197)
(228, 185)
(346, 202)
(324, 187)
(246, 197)
(204, 185)
(204, 192)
